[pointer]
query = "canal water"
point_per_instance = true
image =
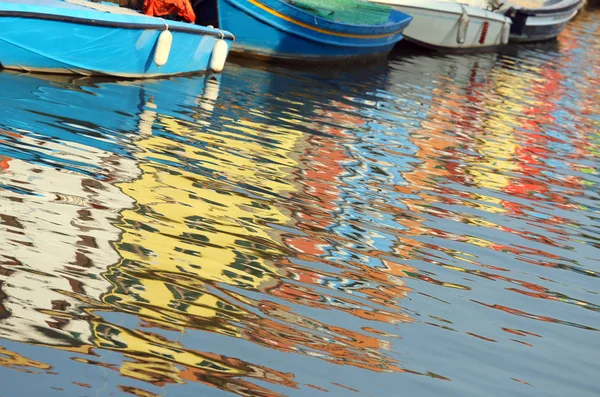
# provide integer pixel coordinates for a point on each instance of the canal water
(423, 227)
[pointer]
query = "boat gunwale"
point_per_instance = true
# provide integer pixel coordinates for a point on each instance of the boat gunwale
(192, 29)
(499, 17)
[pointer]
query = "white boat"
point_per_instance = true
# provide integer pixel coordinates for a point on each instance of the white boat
(456, 25)
(535, 20)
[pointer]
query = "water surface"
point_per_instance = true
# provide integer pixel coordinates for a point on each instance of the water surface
(427, 226)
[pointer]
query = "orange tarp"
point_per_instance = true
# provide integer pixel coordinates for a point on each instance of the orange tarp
(159, 8)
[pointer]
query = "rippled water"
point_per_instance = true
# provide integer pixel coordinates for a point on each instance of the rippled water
(423, 227)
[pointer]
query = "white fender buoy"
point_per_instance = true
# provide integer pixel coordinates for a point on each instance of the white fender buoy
(505, 32)
(463, 26)
(218, 56)
(163, 47)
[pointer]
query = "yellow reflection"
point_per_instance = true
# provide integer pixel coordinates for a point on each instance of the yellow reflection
(114, 337)
(19, 362)
(496, 145)
(200, 226)
(194, 225)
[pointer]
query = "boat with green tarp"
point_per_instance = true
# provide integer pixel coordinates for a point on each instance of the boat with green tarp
(346, 11)
(306, 30)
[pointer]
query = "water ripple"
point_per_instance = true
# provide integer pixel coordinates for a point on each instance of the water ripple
(279, 232)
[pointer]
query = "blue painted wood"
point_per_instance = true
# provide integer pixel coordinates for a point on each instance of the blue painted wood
(59, 37)
(277, 29)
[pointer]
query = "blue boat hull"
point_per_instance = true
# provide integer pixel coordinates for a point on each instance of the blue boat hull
(276, 29)
(88, 42)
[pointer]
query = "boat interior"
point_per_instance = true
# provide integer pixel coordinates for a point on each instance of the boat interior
(356, 12)
(342, 10)
(504, 4)
(205, 10)
(531, 4)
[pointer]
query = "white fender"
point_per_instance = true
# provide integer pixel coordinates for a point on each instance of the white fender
(163, 48)
(463, 26)
(505, 32)
(219, 56)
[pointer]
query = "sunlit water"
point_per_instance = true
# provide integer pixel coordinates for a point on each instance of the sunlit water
(425, 227)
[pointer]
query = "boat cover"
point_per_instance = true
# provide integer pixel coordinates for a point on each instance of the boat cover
(103, 7)
(164, 8)
(353, 12)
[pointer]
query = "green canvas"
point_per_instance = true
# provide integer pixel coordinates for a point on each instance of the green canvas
(354, 12)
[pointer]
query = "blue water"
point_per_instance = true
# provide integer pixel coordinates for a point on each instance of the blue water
(424, 226)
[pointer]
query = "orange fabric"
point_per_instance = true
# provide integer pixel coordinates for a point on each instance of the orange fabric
(159, 8)
(4, 163)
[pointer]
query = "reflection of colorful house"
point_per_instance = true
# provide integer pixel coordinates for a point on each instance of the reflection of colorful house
(320, 216)
(587, 132)
(9, 359)
(320, 211)
(57, 213)
(56, 219)
(75, 285)
(194, 229)
(500, 147)
(455, 125)
(496, 146)
(492, 148)
(521, 154)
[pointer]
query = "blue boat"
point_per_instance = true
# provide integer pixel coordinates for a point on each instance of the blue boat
(86, 38)
(277, 29)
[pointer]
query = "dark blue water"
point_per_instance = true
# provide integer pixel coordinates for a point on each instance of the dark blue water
(427, 226)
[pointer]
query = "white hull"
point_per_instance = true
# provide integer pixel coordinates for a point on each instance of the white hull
(438, 24)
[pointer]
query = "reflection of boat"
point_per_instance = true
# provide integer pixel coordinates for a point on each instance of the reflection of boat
(453, 25)
(534, 20)
(276, 29)
(81, 37)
